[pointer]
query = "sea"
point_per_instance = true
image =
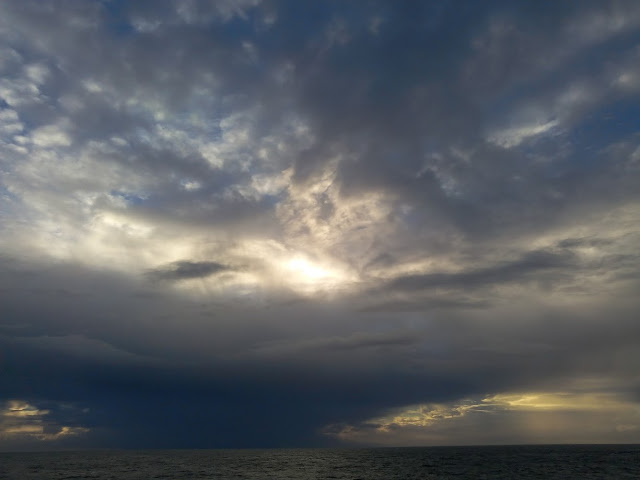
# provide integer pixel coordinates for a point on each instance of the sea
(486, 462)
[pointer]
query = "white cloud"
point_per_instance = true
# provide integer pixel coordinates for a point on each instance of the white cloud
(10, 124)
(51, 136)
(514, 136)
(37, 73)
(19, 92)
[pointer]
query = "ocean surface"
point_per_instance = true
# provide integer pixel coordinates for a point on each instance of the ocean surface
(512, 462)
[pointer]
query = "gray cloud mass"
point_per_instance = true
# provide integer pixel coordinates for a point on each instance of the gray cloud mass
(184, 270)
(275, 223)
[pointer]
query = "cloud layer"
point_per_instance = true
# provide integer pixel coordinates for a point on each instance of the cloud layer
(257, 223)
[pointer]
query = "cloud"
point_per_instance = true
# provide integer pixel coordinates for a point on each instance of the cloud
(354, 342)
(545, 416)
(514, 136)
(50, 136)
(23, 423)
(298, 219)
(183, 270)
(512, 271)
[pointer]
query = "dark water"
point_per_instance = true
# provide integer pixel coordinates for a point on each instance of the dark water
(514, 462)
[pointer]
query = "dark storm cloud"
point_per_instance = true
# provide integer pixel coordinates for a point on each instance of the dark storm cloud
(185, 269)
(513, 271)
(172, 386)
(429, 201)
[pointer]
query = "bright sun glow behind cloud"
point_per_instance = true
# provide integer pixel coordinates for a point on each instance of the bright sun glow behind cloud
(308, 276)
(307, 270)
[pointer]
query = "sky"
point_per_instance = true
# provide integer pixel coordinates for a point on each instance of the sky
(245, 223)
